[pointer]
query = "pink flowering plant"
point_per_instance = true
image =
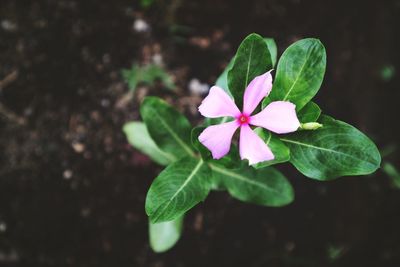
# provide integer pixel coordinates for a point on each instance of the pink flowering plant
(276, 122)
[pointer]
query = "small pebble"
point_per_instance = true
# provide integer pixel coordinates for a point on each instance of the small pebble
(67, 174)
(8, 25)
(105, 103)
(141, 26)
(158, 59)
(3, 227)
(198, 88)
(78, 147)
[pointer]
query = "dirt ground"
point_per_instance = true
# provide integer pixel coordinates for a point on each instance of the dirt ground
(72, 190)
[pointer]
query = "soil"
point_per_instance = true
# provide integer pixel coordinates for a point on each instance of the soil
(72, 190)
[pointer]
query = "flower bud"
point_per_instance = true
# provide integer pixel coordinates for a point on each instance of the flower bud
(310, 126)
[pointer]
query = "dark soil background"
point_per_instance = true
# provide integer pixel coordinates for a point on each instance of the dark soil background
(72, 190)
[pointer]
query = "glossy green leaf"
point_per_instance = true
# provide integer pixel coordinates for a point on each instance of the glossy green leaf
(252, 59)
(300, 72)
(278, 148)
(222, 80)
(217, 182)
(138, 136)
(204, 152)
(169, 129)
(273, 50)
(337, 149)
(164, 236)
(231, 160)
(267, 187)
(309, 113)
(177, 189)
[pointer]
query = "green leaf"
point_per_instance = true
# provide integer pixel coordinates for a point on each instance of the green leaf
(393, 173)
(222, 80)
(152, 72)
(131, 76)
(300, 72)
(267, 187)
(164, 236)
(138, 136)
(309, 113)
(335, 252)
(147, 74)
(204, 152)
(146, 3)
(337, 149)
(278, 148)
(169, 129)
(214, 121)
(177, 189)
(273, 50)
(252, 59)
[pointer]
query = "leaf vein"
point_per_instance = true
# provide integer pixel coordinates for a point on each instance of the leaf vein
(190, 177)
(242, 178)
(297, 78)
(321, 148)
(174, 135)
(248, 65)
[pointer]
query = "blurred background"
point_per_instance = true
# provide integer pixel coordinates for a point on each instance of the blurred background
(72, 189)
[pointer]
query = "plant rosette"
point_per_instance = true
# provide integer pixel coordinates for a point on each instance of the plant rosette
(278, 124)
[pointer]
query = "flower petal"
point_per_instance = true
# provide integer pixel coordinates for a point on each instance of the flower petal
(218, 138)
(258, 88)
(279, 117)
(218, 104)
(252, 147)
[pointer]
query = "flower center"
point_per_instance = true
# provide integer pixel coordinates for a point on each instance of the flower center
(243, 119)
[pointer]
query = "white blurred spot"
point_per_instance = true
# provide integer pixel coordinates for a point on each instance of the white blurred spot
(198, 88)
(105, 102)
(3, 226)
(67, 174)
(78, 147)
(141, 26)
(8, 26)
(158, 59)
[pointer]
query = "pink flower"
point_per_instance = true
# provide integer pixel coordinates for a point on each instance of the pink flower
(279, 117)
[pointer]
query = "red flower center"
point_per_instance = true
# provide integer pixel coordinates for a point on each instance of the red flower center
(243, 119)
